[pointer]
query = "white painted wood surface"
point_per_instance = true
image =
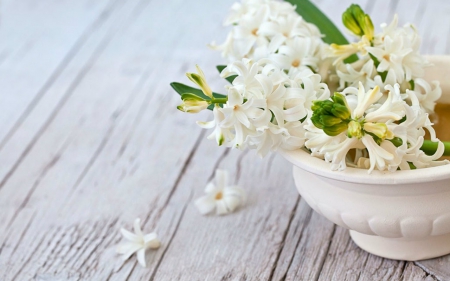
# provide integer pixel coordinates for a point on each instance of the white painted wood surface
(90, 139)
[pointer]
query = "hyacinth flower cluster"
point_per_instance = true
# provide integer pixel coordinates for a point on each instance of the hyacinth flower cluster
(279, 97)
(386, 58)
(383, 136)
(264, 107)
(270, 29)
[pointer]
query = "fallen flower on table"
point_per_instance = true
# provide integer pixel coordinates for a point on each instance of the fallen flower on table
(138, 243)
(219, 196)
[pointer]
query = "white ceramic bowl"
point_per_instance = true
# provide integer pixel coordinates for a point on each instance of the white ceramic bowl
(403, 215)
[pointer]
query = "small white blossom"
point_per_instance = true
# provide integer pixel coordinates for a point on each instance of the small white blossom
(390, 56)
(427, 95)
(137, 242)
(220, 134)
(242, 116)
(220, 197)
(351, 74)
(299, 53)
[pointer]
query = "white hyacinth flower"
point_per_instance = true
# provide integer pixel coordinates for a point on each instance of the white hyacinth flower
(220, 197)
(137, 242)
(427, 95)
(386, 58)
(299, 53)
(241, 115)
(220, 134)
(350, 74)
(390, 56)
(262, 27)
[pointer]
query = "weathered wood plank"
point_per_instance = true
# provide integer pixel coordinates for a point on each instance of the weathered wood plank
(346, 261)
(306, 247)
(37, 40)
(241, 246)
(79, 142)
(17, 144)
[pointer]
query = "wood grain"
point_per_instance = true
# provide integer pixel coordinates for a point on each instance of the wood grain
(90, 139)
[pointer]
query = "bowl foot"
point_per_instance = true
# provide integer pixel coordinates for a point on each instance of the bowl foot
(403, 248)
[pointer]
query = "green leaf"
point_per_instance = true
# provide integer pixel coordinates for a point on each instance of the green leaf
(184, 89)
(312, 14)
(222, 67)
(192, 97)
(376, 62)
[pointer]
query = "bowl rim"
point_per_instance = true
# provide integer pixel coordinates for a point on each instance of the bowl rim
(305, 161)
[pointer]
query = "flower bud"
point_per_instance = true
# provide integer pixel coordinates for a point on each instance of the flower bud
(350, 21)
(368, 28)
(332, 116)
(192, 103)
(329, 120)
(358, 22)
(341, 111)
(200, 80)
(335, 129)
(340, 107)
(315, 119)
(354, 130)
(378, 129)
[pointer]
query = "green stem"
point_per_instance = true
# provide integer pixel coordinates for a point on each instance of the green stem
(430, 147)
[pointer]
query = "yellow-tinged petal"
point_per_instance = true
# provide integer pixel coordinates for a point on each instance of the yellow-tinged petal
(378, 129)
(200, 80)
(193, 106)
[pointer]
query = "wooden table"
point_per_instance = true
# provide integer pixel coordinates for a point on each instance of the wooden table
(90, 139)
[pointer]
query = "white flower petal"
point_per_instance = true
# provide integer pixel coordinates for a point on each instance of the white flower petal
(221, 178)
(129, 253)
(221, 207)
(128, 248)
(232, 202)
(205, 204)
(236, 192)
(141, 257)
(151, 241)
(138, 243)
(130, 236)
(211, 188)
(137, 227)
(378, 155)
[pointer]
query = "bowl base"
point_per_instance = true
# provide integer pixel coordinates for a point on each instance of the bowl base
(403, 248)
